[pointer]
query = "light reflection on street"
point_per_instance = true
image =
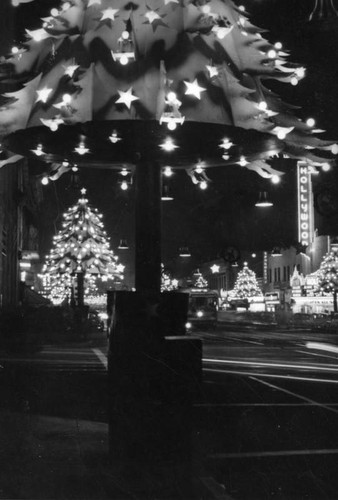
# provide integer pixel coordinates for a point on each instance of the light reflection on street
(321, 346)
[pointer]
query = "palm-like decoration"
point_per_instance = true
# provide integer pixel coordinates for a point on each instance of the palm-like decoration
(163, 61)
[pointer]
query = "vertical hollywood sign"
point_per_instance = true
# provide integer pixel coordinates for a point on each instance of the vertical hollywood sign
(265, 267)
(305, 205)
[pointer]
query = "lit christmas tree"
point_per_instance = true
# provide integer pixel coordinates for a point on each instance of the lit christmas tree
(328, 275)
(246, 285)
(199, 280)
(167, 283)
(81, 250)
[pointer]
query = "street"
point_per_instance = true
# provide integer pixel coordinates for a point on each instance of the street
(264, 426)
(273, 399)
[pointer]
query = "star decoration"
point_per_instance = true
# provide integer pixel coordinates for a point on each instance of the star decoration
(168, 145)
(38, 151)
(83, 191)
(120, 268)
(153, 18)
(114, 138)
(109, 14)
(70, 70)
(226, 143)
(213, 71)
(126, 97)
(53, 123)
(81, 149)
(151, 15)
(215, 268)
(38, 35)
(93, 2)
(43, 94)
(194, 89)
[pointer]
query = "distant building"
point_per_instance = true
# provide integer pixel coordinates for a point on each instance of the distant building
(20, 196)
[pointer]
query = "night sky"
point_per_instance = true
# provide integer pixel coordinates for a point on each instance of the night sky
(223, 215)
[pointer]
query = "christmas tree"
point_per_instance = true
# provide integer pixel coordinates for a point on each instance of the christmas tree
(80, 249)
(328, 275)
(165, 62)
(167, 283)
(246, 285)
(199, 280)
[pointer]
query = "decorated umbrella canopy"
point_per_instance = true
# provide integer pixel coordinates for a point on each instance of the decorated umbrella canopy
(125, 84)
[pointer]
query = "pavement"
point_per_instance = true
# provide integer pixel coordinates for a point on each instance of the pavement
(60, 458)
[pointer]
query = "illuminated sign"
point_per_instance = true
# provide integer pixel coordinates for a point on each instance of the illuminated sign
(305, 205)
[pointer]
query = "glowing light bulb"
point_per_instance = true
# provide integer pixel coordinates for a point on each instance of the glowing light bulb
(124, 185)
(242, 161)
(334, 149)
(300, 72)
(278, 45)
(294, 81)
(54, 12)
(310, 122)
(125, 35)
(66, 98)
(171, 125)
(15, 50)
(44, 181)
(168, 171)
(199, 168)
(272, 54)
(263, 105)
(326, 167)
(275, 179)
(124, 60)
(281, 134)
(171, 96)
(203, 185)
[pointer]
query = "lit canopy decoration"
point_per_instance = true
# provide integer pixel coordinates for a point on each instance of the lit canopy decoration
(198, 68)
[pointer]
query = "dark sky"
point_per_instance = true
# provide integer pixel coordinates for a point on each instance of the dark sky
(225, 215)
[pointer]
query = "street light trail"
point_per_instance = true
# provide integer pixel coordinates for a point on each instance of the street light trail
(101, 357)
(281, 453)
(321, 346)
(294, 394)
(316, 367)
(316, 354)
(275, 375)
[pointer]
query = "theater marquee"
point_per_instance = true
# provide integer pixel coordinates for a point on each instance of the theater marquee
(305, 204)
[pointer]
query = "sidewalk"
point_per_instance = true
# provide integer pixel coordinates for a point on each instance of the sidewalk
(49, 458)
(54, 458)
